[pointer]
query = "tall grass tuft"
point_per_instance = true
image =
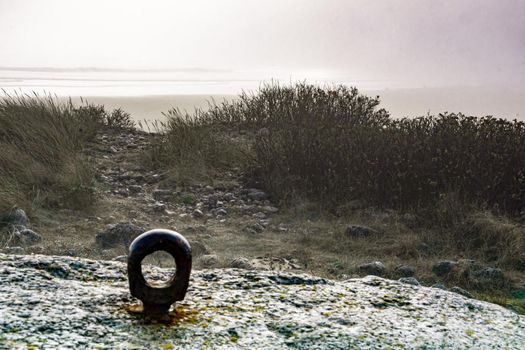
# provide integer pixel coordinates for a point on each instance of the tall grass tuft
(40, 152)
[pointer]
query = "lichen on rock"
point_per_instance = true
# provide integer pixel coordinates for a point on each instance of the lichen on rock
(51, 302)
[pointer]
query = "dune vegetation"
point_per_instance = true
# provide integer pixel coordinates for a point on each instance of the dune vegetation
(459, 179)
(41, 159)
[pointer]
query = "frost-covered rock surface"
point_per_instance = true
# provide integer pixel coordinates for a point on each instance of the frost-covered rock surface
(51, 302)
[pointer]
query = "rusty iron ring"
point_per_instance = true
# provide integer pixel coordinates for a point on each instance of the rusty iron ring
(157, 299)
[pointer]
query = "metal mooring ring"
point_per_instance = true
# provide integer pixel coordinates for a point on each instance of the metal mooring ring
(157, 299)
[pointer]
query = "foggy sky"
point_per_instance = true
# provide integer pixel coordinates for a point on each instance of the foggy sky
(412, 43)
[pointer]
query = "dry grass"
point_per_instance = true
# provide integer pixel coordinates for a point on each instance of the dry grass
(41, 160)
(320, 150)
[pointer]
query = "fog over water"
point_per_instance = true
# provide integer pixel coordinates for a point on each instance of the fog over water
(419, 56)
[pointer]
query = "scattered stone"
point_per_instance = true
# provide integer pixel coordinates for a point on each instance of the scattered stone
(241, 263)
(256, 227)
(405, 271)
(259, 215)
(162, 195)
(119, 234)
(158, 207)
(444, 267)
(28, 237)
(375, 268)
(439, 286)
(461, 291)
(282, 227)
(15, 217)
(409, 280)
(197, 214)
(359, 231)
(121, 258)
(221, 212)
(209, 260)
(257, 195)
(268, 209)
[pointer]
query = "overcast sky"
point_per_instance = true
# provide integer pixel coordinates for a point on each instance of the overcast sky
(410, 43)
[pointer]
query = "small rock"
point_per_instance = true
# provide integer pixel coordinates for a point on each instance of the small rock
(158, 207)
(359, 231)
(241, 263)
(442, 268)
(121, 233)
(257, 195)
(121, 258)
(375, 268)
(29, 237)
(409, 280)
(197, 214)
(282, 227)
(162, 195)
(209, 260)
(259, 215)
(268, 209)
(221, 212)
(461, 291)
(405, 271)
(257, 227)
(439, 286)
(15, 217)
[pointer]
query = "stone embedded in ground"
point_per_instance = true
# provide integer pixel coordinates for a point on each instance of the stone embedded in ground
(268, 209)
(197, 214)
(241, 263)
(27, 237)
(63, 302)
(121, 258)
(162, 195)
(461, 291)
(158, 207)
(359, 231)
(255, 228)
(119, 234)
(444, 267)
(375, 268)
(439, 286)
(221, 212)
(257, 195)
(409, 280)
(209, 260)
(405, 271)
(14, 217)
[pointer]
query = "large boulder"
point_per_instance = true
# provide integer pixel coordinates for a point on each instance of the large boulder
(63, 302)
